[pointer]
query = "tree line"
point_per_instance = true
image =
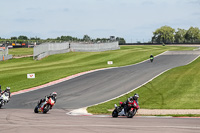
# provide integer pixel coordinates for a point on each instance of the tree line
(166, 34)
(86, 38)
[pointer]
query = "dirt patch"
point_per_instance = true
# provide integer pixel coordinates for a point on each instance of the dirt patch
(16, 57)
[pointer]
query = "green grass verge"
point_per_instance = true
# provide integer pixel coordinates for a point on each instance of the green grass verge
(21, 51)
(13, 72)
(177, 88)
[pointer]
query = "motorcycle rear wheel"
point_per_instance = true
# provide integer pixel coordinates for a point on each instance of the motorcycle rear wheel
(36, 109)
(115, 113)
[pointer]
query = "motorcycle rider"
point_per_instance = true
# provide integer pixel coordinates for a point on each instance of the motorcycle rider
(130, 99)
(151, 57)
(52, 95)
(7, 91)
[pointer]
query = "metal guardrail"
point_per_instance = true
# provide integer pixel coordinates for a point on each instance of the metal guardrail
(4, 54)
(43, 50)
(94, 47)
(39, 49)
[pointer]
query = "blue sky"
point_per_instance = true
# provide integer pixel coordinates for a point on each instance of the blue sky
(134, 20)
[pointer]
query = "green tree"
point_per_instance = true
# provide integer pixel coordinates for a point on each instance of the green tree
(66, 38)
(86, 38)
(58, 38)
(180, 35)
(165, 34)
(34, 38)
(23, 38)
(193, 34)
(13, 38)
(120, 40)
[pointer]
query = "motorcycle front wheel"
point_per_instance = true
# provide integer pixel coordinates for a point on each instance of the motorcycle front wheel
(131, 113)
(1, 103)
(46, 108)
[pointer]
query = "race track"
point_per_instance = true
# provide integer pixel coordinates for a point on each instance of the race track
(103, 85)
(17, 116)
(25, 121)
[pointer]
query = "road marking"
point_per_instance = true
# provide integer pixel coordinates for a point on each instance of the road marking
(72, 112)
(70, 77)
(193, 60)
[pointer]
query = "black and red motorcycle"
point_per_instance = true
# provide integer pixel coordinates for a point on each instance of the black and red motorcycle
(45, 106)
(132, 108)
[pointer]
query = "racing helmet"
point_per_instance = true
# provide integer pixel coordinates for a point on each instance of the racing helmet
(54, 94)
(8, 88)
(136, 96)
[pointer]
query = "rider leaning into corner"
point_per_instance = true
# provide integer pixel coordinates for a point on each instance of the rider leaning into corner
(130, 99)
(52, 95)
(7, 90)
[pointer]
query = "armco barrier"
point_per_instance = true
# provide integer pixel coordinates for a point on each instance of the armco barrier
(75, 47)
(46, 49)
(5, 57)
(39, 57)
(4, 54)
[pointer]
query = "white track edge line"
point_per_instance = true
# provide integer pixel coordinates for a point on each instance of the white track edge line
(77, 75)
(71, 112)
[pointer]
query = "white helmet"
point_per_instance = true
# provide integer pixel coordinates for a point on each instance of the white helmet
(54, 94)
(8, 88)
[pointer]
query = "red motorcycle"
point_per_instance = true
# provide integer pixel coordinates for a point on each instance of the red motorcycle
(45, 106)
(132, 108)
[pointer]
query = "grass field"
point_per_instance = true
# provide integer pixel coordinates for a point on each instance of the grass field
(177, 88)
(21, 51)
(14, 72)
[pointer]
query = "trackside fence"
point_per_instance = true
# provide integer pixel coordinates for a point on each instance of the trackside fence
(43, 50)
(4, 54)
(80, 47)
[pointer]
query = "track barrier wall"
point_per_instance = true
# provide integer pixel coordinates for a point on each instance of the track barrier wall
(79, 47)
(47, 49)
(4, 54)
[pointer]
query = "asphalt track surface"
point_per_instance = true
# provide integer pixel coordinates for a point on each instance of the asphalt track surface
(17, 115)
(102, 85)
(56, 121)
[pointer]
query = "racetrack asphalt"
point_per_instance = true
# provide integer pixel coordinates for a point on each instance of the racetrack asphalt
(25, 121)
(17, 116)
(99, 86)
